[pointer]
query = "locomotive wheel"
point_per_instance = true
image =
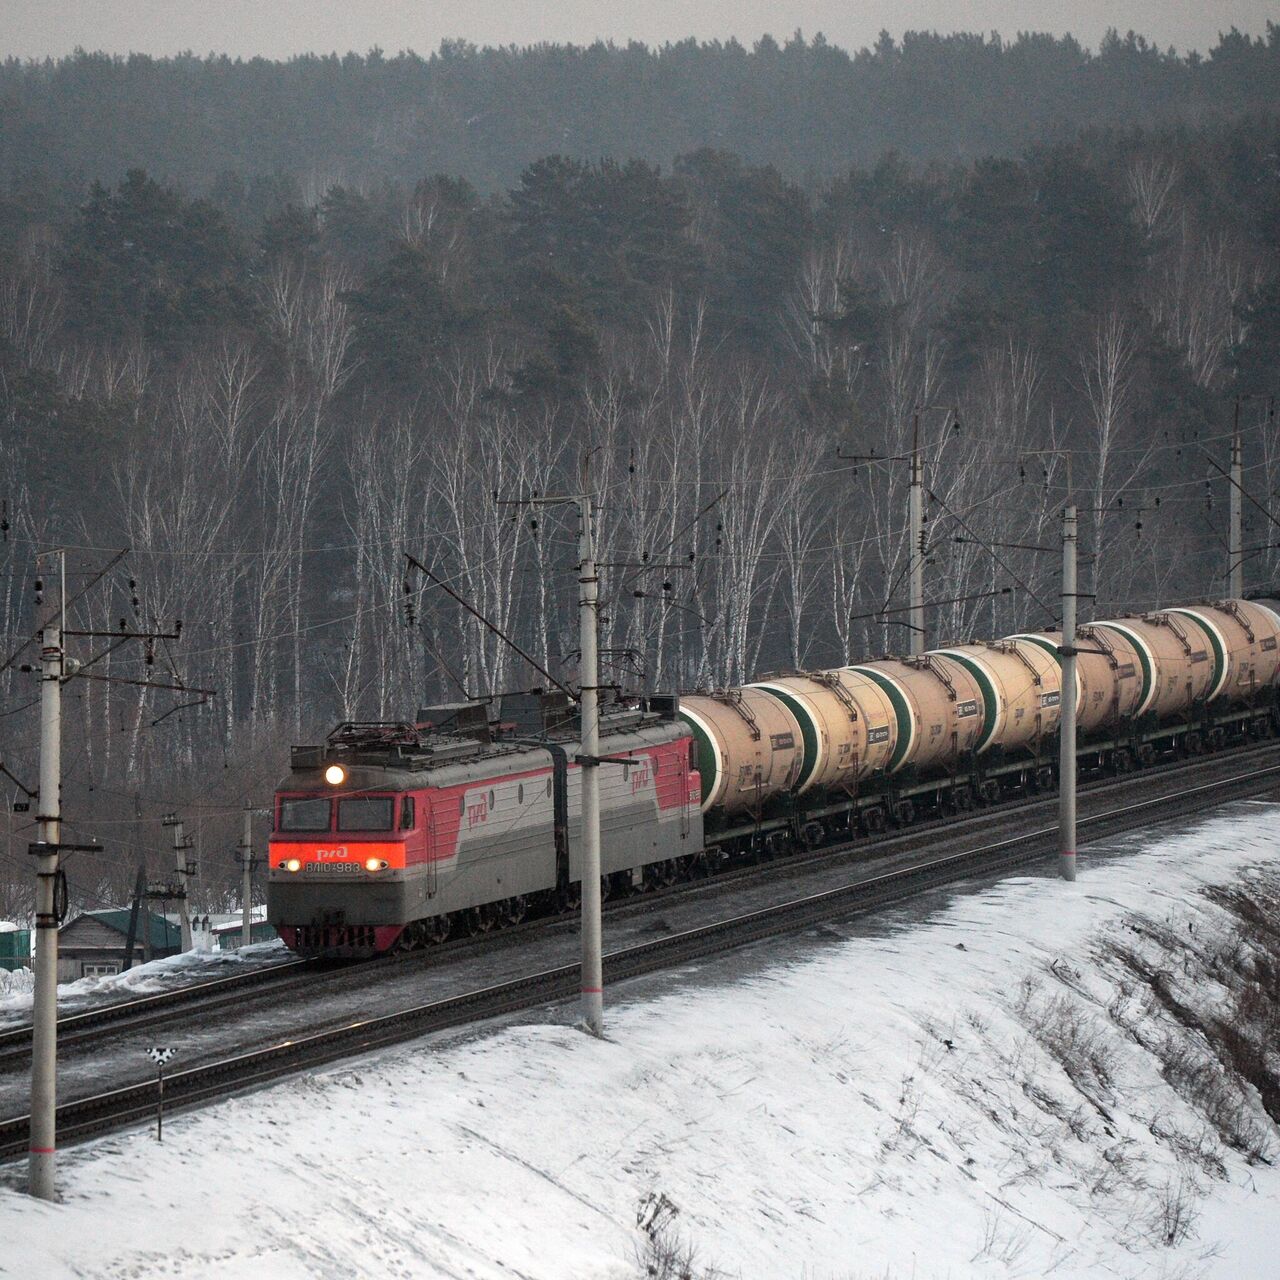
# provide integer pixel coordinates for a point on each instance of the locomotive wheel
(435, 929)
(410, 938)
(480, 920)
(573, 897)
(606, 888)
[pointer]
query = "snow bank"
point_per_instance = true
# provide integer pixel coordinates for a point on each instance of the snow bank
(979, 1095)
(143, 979)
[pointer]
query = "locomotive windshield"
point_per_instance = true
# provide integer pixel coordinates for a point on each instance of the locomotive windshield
(366, 813)
(305, 813)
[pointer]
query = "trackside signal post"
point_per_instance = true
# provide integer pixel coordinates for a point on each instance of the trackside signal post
(1067, 724)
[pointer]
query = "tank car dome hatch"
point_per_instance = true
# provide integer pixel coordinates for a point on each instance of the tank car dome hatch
(831, 727)
(749, 747)
(1242, 639)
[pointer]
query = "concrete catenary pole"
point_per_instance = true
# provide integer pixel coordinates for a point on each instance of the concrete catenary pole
(41, 1168)
(180, 868)
(246, 884)
(1067, 726)
(915, 565)
(1236, 549)
(589, 679)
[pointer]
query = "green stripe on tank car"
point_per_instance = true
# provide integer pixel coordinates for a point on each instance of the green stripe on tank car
(707, 766)
(990, 702)
(906, 729)
(1140, 648)
(1041, 643)
(807, 733)
(1215, 644)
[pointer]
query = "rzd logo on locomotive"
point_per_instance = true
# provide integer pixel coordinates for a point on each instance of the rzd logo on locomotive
(478, 811)
(639, 778)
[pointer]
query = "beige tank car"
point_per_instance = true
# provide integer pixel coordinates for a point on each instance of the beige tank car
(880, 722)
(1108, 683)
(749, 747)
(1173, 658)
(1020, 690)
(832, 727)
(1242, 640)
(937, 710)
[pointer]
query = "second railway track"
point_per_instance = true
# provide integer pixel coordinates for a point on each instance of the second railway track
(1241, 775)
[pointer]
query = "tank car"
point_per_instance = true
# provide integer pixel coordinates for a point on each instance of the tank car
(749, 747)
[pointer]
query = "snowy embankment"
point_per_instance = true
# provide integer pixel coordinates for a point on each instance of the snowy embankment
(1022, 1085)
(17, 988)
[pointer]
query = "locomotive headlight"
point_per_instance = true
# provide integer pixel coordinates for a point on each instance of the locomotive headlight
(374, 864)
(335, 775)
(294, 864)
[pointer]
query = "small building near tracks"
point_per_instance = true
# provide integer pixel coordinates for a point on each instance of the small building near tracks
(95, 943)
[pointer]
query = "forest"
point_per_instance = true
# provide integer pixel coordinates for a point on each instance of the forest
(270, 350)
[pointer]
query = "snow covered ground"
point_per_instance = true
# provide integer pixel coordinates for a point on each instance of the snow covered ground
(978, 1094)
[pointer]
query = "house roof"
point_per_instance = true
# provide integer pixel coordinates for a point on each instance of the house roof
(165, 935)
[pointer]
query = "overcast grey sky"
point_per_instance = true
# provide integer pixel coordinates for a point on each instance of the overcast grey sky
(276, 28)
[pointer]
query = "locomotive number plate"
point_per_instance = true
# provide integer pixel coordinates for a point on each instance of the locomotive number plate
(334, 868)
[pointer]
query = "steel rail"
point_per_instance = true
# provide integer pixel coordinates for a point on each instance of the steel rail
(118, 1108)
(71, 1024)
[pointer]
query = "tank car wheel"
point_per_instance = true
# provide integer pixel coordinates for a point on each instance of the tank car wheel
(963, 799)
(812, 835)
(1044, 778)
(1146, 755)
(606, 888)
(873, 820)
(905, 813)
(991, 791)
(1194, 743)
(1217, 739)
(573, 897)
(1121, 760)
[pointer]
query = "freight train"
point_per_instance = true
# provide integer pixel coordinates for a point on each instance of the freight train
(394, 836)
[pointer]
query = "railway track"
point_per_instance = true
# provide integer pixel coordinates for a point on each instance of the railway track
(118, 1108)
(78, 1031)
(143, 1011)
